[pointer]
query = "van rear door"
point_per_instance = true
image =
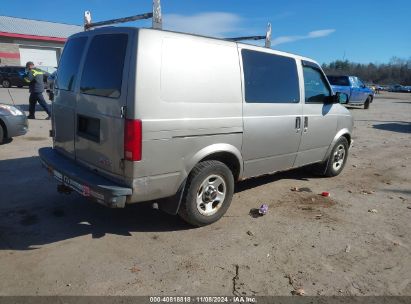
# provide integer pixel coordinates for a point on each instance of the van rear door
(64, 104)
(99, 119)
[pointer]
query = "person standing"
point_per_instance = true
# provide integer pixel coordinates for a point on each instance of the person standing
(36, 88)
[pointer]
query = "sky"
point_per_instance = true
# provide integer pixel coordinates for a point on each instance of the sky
(360, 31)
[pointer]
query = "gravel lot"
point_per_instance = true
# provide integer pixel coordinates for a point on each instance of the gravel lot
(52, 244)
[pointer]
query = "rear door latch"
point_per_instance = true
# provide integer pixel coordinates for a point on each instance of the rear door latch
(123, 111)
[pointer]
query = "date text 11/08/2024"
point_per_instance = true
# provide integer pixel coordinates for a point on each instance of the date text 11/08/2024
(203, 299)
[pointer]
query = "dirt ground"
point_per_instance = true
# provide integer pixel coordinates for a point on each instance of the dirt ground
(357, 242)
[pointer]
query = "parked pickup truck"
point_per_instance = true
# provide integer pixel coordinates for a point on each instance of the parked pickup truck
(358, 93)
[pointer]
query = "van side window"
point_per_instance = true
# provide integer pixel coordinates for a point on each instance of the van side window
(270, 78)
(316, 87)
(70, 60)
(103, 68)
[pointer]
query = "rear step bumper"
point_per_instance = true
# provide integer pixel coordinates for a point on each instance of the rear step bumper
(83, 180)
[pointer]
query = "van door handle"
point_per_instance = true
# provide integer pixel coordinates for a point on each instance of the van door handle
(298, 124)
(305, 124)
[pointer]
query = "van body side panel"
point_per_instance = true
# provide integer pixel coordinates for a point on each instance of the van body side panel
(322, 127)
(270, 139)
(177, 157)
(188, 96)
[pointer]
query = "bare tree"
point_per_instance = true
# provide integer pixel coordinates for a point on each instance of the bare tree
(396, 71)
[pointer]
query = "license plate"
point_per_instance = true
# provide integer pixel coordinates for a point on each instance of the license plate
(65, 180)
(84, 190)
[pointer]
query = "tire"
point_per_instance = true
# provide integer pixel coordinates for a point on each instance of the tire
(367, 103)
(6, 83)
(208, 193)
(338, 158)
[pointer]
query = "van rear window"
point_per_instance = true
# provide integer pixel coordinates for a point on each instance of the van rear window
(103, 68)
(270, 78)
(69, 63)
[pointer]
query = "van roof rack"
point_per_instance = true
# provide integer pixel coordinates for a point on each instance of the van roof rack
(155, 15)
(267, 37)
(158, 23)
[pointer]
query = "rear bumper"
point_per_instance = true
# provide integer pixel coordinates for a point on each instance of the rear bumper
(16, 125)
(83, 180)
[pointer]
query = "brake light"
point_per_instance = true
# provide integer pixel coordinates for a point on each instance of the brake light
(132, 139)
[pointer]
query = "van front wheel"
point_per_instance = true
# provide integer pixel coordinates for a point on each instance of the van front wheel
(335, 162)
(208, 193)
(337, 158)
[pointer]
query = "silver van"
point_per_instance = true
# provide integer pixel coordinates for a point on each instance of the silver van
(154, 115)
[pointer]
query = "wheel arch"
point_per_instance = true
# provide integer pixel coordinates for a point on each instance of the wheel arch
(342, 133)
(226, 153)
(227, 158)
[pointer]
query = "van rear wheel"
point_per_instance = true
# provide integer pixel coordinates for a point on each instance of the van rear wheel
(208, 193)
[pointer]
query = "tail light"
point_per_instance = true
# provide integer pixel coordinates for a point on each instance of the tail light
(132, 139)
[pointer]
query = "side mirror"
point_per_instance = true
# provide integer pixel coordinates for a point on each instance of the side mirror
(341, 98)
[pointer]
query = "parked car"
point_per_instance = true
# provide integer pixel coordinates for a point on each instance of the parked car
(358, 93)
(378, 89)
(10, 76)
(399, 88)
(48, 69)
(179, 118)
(383, 87)
(13, 122)
(50, 85)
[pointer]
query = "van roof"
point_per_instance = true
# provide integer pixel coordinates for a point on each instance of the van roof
(241, 44)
